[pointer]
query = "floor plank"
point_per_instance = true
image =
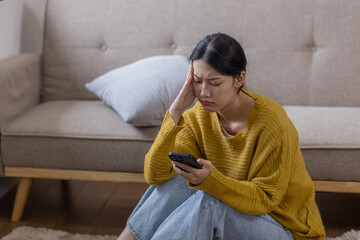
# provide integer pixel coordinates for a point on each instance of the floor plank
(340, 212)
(103, 208)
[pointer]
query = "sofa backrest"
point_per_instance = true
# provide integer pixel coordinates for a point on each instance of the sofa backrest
(300, 52)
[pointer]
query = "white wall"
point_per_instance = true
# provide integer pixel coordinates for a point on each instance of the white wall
(21, 26)
(10, 27)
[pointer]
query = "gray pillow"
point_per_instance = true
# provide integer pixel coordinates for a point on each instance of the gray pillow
(143, 91)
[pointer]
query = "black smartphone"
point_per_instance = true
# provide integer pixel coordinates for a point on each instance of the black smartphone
(185, 158)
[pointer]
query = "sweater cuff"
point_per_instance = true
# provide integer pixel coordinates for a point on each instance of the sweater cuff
(214, 184)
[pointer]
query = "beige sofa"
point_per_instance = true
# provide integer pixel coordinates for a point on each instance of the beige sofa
(303, 54)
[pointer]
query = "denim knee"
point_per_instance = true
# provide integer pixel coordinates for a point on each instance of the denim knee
(206, 200)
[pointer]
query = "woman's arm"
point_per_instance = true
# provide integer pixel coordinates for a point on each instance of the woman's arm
(158, 167)
(171, 138)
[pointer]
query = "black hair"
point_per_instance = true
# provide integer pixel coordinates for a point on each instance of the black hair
(221, 52)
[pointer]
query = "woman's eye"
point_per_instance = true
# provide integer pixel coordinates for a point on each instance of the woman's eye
(197, 81)
(215, 85)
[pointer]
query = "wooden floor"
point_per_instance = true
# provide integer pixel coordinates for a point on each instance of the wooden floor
(103, 208)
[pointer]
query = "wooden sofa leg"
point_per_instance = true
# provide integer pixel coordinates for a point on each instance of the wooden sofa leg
(22, 194)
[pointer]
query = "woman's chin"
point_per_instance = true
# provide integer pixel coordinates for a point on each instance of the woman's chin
(209, 108)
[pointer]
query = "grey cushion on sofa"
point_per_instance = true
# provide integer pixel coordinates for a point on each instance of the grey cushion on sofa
(81, 135)
(142, 92)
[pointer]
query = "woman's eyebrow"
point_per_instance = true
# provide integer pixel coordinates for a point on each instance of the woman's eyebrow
(210, 79)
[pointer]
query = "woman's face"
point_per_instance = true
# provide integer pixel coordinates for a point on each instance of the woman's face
(213, 89)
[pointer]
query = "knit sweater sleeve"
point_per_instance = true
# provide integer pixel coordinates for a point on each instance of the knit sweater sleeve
(171, 138)
(267, 181)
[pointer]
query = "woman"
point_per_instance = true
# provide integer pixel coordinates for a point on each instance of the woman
(253, 183)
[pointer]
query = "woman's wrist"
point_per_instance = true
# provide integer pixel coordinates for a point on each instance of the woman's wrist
(175, 115)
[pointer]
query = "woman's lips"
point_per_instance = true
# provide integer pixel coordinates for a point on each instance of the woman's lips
(206, 103)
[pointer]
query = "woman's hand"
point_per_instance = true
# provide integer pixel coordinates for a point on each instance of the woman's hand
(185, 97)
(194, 176)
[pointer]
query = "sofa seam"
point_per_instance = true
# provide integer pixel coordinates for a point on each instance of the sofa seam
(80, 137)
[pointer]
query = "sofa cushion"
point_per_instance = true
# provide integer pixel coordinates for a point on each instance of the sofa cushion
(80, 135)
(329, 138)
(74, 134)
(141, 92)
(326, 127)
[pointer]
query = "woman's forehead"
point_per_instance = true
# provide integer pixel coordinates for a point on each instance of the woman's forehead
(203, 69)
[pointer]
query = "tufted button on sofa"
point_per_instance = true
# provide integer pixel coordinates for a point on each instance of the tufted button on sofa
(304, 54)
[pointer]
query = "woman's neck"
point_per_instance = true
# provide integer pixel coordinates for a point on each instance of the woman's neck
(238, 110)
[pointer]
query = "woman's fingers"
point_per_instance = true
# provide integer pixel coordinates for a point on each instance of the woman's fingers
(182, 166)
(193, 175)
(190, 73)
(185, 97)
(191, 68)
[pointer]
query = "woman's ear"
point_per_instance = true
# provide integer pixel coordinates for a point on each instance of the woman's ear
(240, 79)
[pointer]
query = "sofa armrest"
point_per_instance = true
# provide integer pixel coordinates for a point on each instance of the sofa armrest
(19, 87)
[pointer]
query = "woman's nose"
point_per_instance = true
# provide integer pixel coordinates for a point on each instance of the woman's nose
(205, 92)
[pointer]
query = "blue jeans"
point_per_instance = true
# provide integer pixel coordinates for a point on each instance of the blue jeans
(175, 211)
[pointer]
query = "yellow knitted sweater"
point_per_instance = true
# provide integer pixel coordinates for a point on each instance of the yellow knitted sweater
(258, 171)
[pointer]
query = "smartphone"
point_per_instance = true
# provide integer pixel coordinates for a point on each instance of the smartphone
(185, 158)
